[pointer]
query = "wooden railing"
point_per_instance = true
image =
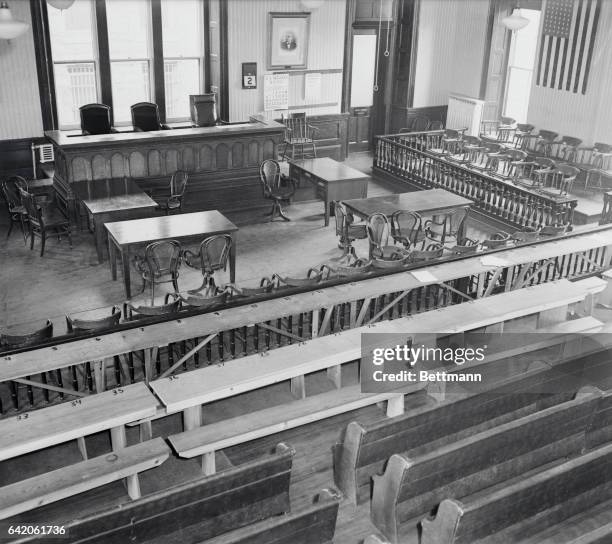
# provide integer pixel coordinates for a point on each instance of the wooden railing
(405, 157)
(81, 366)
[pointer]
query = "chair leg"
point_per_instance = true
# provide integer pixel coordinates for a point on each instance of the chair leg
(31, 239)
(152, 293)
(281, 212)
(8, 234)
(175, 285)
(43, 239)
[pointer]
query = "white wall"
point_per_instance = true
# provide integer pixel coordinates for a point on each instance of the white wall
(587, 116)
(20, 115)
(247, 42)
(450, 49)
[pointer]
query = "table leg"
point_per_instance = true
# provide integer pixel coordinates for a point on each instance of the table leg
(232, 258)
(112, 254)
(125, 261)
(327, 204)
(99, 237)
(463, 228)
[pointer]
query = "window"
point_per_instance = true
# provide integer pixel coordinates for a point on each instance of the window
(74, 60)
(183, 44)
(129, 42)
(520, 67)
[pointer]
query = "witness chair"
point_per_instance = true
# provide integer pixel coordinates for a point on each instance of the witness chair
(211, 257)
(173, 202)
(347, 230)
(436, 125)
(379, 231)
(160, 264)
(299, 135)
(145, 117)
(15, 208)
(96, 119)
(203, 108)
(446, 227)
(272, 188)
(42, 221)
(406, 228)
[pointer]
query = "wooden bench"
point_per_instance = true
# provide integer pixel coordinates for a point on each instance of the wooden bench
(518, 510)
(196, 510)
(364, 449)
(413, 484)
(315, 524)
(375, 539)
(74, 479)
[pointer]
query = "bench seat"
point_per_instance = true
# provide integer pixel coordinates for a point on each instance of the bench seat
(71, 480)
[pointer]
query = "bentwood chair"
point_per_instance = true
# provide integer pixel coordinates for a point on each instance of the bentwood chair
(96, 119)
(211, 257)
(272, 188)
(447, 227)
(84, 326)
(42, 221)
(173, 202)
(15, 208)
(606, 212)
(435, 125)
(379, 231)
(160, 264)
(346, 230)
(299, 135)
(145, 117)
(406, 228)
(18, 341)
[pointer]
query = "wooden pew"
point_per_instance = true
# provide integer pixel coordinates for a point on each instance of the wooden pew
(600, 430)
(375, 539)
(364, 449)
(194, 511)
(518, 510)
(412, 485)
(74, 479)
(315, 524)
(187, 392)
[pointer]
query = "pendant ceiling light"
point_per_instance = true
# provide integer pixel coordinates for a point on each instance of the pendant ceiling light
(312, 4)
(10, 28)
(60, 4)
(515, 21)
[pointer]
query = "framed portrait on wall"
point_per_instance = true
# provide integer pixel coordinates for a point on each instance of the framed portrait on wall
(288, 36)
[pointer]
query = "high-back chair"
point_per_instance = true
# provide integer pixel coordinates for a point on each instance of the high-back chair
(406, 228)
(15, 208)
(42, 221)
(145, 117)
(96, 119)
(379, 231)
(346, 230)
(299, 136)
(203, 108)
(211, 257)
(272, 188)
(160, 264)
(173, 202)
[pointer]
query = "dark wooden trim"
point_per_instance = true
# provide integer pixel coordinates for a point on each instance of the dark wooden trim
(16, 156)
(414, 50)
(487, 50)
(158, 59)
(106, 95)
(44, 64)
(348, 54)
(206, 22)
(400, 116)
(390, 76)
(223, 62)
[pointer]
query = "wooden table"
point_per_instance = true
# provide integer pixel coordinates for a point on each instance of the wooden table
(125, 234)
(330, 179)
(423, 202)
(112, 200)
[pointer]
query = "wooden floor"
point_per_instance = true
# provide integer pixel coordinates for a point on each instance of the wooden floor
(71, 281)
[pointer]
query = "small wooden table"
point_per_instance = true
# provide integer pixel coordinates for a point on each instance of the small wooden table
(112, 200)
(125, 234)
(330, 179)
(423, 202)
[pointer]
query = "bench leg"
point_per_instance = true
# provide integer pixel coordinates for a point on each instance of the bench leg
(437, 390)
(547, 318)
(334, 373)
(146, 431)
(298, 387)
(395, 406)
(208, 463)
(82, 447)
(132, 483)
(99, 368)
(119, 441)
(192, 417)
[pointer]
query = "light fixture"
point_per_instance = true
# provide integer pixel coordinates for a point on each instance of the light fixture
(60, 4)
(515, 21)
(312, 4)
(10, 28)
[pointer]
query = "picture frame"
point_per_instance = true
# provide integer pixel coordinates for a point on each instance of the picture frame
(288, 37)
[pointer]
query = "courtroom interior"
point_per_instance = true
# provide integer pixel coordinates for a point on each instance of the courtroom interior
(215, 213)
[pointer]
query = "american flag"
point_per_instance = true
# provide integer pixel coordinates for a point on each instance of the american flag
(566, 48)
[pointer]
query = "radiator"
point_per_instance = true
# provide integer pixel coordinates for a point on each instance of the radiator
(464, 113)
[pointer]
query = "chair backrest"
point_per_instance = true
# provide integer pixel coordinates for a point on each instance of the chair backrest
(88, 325)
(178, 183)
(296, 125)
(567, 170)
(600, 147)
(419, 123)
(507, 120)
(548, 135)
(203, 109)
(406, 224)
(544, 162)
(13, 341)
(10, 190)
(32, 209)
(95, 119)
(571, 141)
(436, 125)
(163, 257)
(269, 175)
(145, 116)
(525, 128)
(515, 155)
(341, 219)
(378, 230)
(214, 252)
(131, 312)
